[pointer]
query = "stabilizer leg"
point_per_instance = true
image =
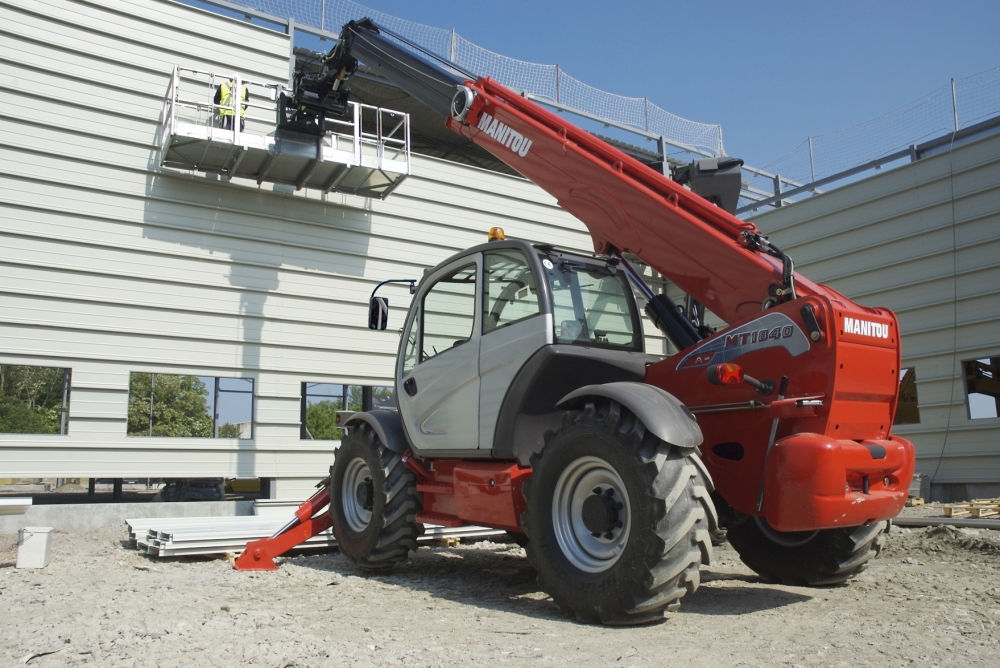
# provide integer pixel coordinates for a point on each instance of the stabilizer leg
(259, 555)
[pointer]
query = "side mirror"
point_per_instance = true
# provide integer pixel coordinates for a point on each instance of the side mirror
(378, 313)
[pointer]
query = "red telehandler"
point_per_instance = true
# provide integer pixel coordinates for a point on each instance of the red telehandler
(527, 403)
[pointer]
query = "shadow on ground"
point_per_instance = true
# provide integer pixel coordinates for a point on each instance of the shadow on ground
(501, 578)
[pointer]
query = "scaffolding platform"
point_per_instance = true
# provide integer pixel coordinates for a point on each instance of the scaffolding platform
(365, 153)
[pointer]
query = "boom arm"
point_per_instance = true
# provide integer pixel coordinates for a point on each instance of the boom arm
(722, 261)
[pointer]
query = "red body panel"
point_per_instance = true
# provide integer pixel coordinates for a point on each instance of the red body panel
(458, 492)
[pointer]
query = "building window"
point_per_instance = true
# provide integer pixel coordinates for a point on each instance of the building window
(190, 406)
(321, 401)
(33, 399)
(982, 387)
(907, 410)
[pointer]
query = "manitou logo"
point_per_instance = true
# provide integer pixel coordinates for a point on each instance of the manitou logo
(512, 139)
(866, 328)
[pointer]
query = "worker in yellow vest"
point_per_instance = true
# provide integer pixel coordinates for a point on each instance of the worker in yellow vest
(224, 98)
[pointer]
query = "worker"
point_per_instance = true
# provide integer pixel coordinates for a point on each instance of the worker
(223, 98)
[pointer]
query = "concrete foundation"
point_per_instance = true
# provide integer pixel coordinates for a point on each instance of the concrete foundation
(78, 517)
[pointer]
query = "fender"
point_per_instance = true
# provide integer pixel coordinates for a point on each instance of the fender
(387, 425)
(661, 412)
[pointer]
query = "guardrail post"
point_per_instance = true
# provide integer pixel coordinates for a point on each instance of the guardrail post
(777, 191)
(812, 163)
(237, 99)
(954, 103)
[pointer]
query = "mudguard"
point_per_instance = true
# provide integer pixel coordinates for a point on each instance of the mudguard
(387, 425)
(661, 412)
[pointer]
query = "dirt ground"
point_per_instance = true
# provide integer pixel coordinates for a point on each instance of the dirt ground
(931, 599)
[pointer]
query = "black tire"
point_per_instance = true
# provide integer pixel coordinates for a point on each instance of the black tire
(820, 558)
(391, 506)
(666, 521)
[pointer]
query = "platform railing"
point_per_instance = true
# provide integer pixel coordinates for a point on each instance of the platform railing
(376, 137)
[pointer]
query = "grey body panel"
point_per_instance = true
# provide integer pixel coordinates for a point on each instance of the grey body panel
(443, 413)
(388, 426)
(552, 372)
(660, 412)
(502, 353)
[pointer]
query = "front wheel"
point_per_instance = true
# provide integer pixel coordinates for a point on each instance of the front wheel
(373, 501)
(814, 558)
(618, 521)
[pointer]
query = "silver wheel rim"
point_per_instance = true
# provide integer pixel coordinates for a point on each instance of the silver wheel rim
(589, 553)
(784, 538)
(357, 516)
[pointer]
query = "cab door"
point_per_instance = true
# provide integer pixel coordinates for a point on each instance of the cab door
(514, 327)
(437, 377)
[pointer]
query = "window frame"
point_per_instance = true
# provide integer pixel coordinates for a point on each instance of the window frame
(486, 293)
(473, 261)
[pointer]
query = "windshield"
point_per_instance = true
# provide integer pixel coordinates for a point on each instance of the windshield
(591, 305)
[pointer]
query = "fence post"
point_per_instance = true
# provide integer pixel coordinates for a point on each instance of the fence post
(777, 191)
(453, 53)
(812, 163)
(322, 15)
(558, 77)
(645, 112)
(954, 103)
(661, 145)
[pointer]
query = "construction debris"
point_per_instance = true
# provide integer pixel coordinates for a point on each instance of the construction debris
(976, 508)
(187, 536)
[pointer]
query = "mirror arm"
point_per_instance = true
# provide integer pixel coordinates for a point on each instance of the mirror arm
(411, 281)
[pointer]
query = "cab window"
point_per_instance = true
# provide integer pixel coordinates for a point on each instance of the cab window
(592, 305)
(510, 293)
(410, 353)
(449, 312)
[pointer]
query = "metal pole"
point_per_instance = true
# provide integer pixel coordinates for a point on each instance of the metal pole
(291, 52)
(954, 104)
(215, 411)
(812, 164)
(558, 77)
(661, 145)
(777, 191)
(65, 399)
(322, 15)
(152, 386)
(453, 53)
(645, 111)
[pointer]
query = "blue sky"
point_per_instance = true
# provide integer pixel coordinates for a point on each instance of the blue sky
(771, 73)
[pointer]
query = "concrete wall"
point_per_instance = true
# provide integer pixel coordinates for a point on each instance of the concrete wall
(76, 518)
(923, 240)
(110, 264)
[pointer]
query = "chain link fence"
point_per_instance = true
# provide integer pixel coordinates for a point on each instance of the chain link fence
(548, 81)
(953, 107)
(957, 105)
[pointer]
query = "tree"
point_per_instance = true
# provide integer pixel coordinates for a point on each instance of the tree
(179, 407)
(321, 420)
(30, 399)
(229, 430)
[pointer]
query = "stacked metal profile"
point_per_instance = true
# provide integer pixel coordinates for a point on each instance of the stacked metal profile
(185, 536)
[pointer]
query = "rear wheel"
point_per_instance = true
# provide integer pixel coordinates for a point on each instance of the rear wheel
(373, 501)
(618, 520)
(816, 558)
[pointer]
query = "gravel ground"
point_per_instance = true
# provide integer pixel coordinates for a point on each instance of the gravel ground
(932, 598)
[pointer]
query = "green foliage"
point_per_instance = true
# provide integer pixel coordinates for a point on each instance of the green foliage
(229, 430)
(321, 420)
(30, 399)
(179, 407)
